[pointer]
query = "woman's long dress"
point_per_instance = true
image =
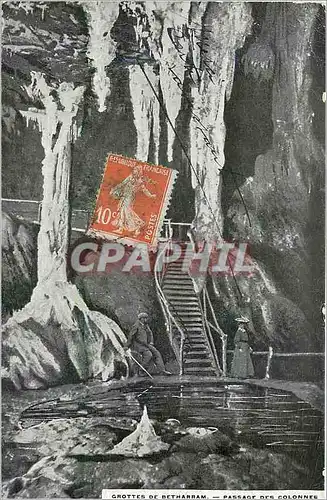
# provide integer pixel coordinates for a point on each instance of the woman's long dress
(242, 366)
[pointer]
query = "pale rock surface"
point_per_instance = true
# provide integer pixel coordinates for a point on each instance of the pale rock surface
(101, 47)
(142, 442)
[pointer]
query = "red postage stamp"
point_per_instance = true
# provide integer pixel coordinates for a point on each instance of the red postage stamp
(132, 201)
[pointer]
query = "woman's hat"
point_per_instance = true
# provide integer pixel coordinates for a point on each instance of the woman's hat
(242, 319)
(143, 315)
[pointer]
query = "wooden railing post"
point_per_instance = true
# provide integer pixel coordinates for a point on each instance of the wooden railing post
(224, 342)
(39, 212)
(270, 355)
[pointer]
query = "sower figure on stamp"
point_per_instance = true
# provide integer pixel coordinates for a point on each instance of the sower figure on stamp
(126, 191)
(140, 340)
(242, 366)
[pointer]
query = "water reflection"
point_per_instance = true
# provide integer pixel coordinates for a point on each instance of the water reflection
(259, 416)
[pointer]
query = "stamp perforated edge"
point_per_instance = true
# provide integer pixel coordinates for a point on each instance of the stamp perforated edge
(164, 208)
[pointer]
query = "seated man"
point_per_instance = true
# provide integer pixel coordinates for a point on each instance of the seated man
(140, 340)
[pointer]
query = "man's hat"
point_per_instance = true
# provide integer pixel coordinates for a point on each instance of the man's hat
(143, 315)
(242, 319)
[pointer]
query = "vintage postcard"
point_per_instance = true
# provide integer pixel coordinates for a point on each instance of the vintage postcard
(163, 241)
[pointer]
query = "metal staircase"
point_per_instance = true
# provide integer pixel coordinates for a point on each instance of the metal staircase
(186, 312)
(178, 289)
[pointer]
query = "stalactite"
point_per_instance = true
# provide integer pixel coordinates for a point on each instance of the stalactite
(195, 23)
(170, 45)
(186, 37)
(219, 42)
(101, 47)
(146, 109)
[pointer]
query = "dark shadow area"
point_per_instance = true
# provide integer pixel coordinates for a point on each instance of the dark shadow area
(247, 118)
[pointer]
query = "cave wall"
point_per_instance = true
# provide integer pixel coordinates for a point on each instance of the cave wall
(281, 177)
(18, 270)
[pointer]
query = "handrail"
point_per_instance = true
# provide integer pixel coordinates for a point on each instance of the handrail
(209, 336)
(209, 326)
(222, 335)
(271, 353)
(176, 223)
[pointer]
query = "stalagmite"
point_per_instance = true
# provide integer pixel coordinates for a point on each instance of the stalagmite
(142, 442)
(56, 328)
(53, 234)
(101, 47)
(219, 42)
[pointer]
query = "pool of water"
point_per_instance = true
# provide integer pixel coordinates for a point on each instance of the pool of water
(266, 418)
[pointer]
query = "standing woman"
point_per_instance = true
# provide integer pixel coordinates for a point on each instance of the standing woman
(242, 366)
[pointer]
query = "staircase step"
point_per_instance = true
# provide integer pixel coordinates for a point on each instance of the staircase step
(205, 363)
(200, 354)
(194, 305)
(184, 300)
(185, 319)
(196, 333)
(201, 371)
(197, 348)
(183, 256)
(192, 323)
(190, 320)
(196, 339)
(179, 279)
(177, 292)
(193, 342)
(189, 307)
(178, 270)
(180, 286)
(187, 312)
(186, 303)
(176, 264)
